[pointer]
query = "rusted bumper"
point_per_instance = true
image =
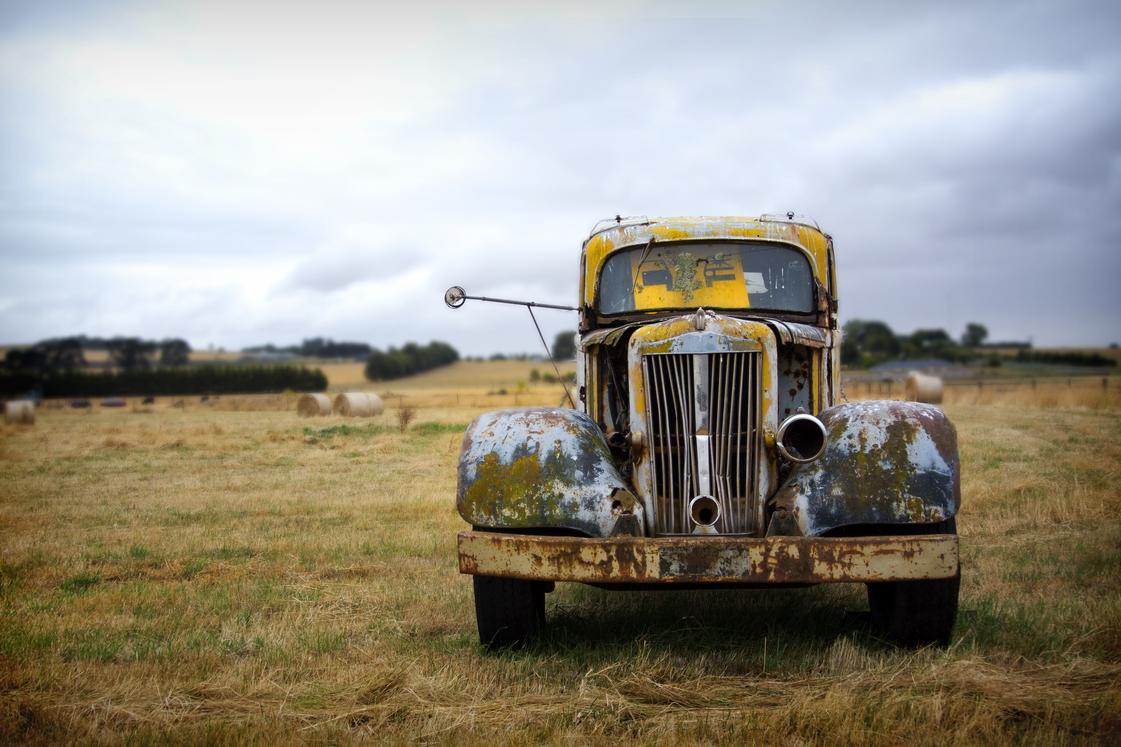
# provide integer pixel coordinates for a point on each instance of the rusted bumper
(707, 559)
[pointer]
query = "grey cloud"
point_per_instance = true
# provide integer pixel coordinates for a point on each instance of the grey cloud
(536, 128)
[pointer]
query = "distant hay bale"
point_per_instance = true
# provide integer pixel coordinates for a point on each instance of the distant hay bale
(20, 411)
(923, 388)
(358, 404)
(313, 404)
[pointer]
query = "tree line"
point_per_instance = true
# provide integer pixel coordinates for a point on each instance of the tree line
(204, 379)
(868, 342)
(68, 353)
(411, 358)
(317, 347)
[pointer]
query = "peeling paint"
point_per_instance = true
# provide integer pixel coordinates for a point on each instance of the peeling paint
(602, 243)
(884, 463)
(709, 559)
(540, 468)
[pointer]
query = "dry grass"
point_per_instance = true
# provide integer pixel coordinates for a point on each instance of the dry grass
(462, 376)
(223, 572)
(1094, 393)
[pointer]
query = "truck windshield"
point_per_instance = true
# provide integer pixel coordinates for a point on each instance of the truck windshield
(716, 274)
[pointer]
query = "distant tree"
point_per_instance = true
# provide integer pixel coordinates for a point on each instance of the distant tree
(865, 342)
(175, 352)
(61, 354)
(925, 340)
(64, 353)
(411, 358)
(130, 353)
(933, 343)
(312, 347)
(974, 335)
(319, 347)
(26, 359)
(564, 346)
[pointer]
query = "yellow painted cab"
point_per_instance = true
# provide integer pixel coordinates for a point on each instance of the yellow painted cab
(709, 445)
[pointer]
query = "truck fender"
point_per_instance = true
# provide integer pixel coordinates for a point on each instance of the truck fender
(884, 462)
(542, 468)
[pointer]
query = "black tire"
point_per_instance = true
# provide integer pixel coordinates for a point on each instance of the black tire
(510, 612)
(917, 613)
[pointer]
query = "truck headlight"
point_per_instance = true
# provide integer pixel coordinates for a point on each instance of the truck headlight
(801, 438)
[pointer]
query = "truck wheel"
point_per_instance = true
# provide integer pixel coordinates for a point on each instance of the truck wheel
(917, 613)
(509, 611)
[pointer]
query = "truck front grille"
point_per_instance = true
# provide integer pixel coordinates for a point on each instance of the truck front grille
(698, 404)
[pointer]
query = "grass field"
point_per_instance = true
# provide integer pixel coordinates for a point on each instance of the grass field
(463, 377)
(231, 573)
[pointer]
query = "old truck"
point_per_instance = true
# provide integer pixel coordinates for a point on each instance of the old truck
(710, 444)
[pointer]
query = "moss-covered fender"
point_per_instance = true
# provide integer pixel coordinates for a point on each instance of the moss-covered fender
(884, 462)
(542, 468)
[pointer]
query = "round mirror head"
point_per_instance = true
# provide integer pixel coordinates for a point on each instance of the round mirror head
(455, 296)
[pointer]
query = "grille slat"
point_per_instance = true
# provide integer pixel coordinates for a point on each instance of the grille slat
(731, 385)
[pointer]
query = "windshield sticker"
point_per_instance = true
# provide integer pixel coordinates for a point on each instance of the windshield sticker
(755, 283)
(703, 278)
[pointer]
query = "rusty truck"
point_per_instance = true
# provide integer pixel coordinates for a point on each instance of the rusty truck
(709, 443)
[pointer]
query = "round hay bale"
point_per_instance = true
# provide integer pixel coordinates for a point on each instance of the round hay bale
(923, 388)
(358, 404)
(20, 411)
(312, 404)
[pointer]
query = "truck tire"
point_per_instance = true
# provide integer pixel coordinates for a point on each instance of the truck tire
(917, 613)
(509, 611)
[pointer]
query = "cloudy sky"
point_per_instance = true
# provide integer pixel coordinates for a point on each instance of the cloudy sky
(245, 172)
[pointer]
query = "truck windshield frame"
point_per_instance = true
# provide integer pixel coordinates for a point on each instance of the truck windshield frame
(716, 274)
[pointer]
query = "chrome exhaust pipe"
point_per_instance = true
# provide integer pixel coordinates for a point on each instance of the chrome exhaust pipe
(801, 438)
(705, 512)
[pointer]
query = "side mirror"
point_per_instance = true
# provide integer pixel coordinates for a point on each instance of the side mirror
(455, 297)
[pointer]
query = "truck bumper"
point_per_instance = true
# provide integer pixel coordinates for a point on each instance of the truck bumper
(708, 559)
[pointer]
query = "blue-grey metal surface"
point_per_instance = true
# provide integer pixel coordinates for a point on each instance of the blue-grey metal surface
(884, 462)
(541, 468)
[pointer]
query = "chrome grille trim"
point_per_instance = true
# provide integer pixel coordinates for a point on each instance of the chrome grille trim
(703, 407)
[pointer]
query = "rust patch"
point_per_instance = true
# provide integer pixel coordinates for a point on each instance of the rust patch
(709, 559)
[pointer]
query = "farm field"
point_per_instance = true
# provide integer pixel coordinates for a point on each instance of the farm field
(228, 572)
(462, 376)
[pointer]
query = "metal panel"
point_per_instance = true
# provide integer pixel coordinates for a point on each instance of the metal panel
(884, 463)
(703, 417)
(541, 468)
(708, 559)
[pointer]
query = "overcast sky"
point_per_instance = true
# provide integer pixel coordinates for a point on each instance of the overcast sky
(247, 172)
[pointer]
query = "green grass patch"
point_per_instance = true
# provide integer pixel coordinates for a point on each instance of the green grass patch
(323, 641)
(431, 429)
(345, 430)
(80, 583)
(91, 645)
